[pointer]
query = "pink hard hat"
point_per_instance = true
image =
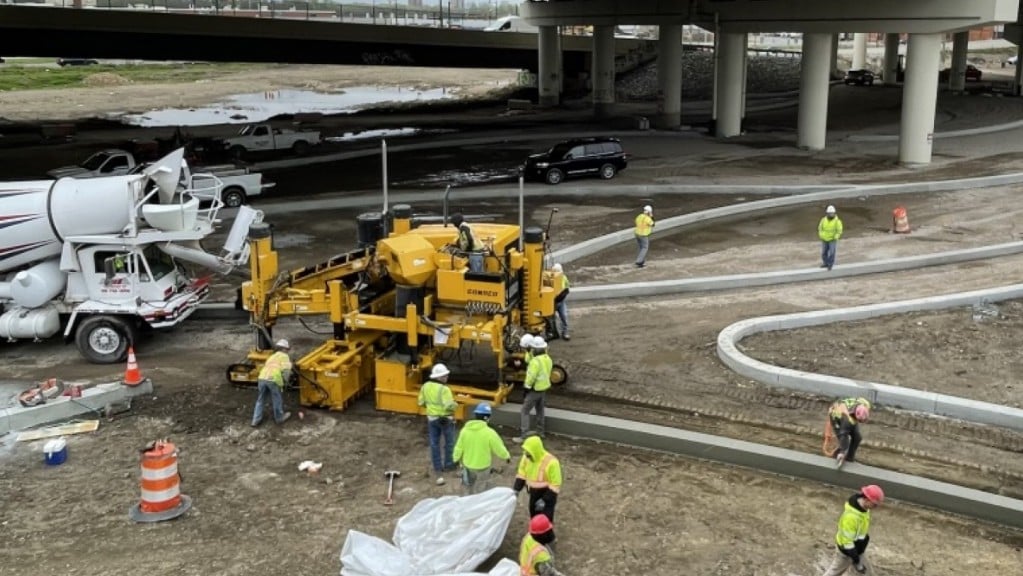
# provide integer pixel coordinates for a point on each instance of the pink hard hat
(862, 413)
(874, 493)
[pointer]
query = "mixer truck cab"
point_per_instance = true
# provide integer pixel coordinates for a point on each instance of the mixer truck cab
(99, 260)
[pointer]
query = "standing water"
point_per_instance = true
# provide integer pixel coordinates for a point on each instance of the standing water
(259, 106)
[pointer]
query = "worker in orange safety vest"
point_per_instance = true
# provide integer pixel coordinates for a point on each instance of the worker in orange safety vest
(535, 555)
(540, 473)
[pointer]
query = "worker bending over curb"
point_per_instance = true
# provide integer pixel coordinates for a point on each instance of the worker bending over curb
(845, 416)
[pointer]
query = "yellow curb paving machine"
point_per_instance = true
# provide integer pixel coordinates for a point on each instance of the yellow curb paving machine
(403, 301)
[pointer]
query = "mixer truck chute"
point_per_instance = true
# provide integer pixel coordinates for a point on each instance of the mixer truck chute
(101, 258)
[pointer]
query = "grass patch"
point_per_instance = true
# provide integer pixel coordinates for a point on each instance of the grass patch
(15, 77)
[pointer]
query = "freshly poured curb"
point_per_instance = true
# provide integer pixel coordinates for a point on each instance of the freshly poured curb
(921, 491)
(93, 399)
(884, 394)
(600, 243)
(662, 287)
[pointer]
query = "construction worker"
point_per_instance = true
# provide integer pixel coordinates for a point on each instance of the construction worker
(468, 242)
(275, 374)
(853, 527)
(829, 230)
(644, 228)
(535, 555)
(846, 416)
(436, 397)
(539, 473)
(538, 382)
(559, 301)
(477, 444)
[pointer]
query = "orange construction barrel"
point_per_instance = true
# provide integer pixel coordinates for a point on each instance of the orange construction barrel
(160, 483)
(900, 220)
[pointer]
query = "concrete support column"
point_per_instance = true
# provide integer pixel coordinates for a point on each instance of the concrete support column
(813, 92)
(548, 79)
(669, 76)
(1017, 85)
(859, 59)
(730, 88)
(603, 70)
(891, 60)
(960, 49)
(834, 55)
(919, 99)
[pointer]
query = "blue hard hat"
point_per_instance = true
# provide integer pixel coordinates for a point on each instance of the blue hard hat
(482, 408)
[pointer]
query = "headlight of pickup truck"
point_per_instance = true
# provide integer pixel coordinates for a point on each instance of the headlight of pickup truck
(542, 164)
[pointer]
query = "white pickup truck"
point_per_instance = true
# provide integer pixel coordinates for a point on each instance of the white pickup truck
(264, 137)
(239, 183)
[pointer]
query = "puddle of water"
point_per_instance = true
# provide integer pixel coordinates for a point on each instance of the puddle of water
(470, 176)
(386, 133)
(259, 106)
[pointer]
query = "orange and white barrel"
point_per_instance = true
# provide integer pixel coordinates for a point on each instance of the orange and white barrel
(900, 220)
(160, 485)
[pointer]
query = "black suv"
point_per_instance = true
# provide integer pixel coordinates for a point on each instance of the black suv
(579, 157)
(859, 77)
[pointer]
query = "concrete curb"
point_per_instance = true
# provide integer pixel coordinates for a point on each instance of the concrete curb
(930, 493)
(662, 287)
(93, 399)
(940, 135)
(600, 243)
(884, 394)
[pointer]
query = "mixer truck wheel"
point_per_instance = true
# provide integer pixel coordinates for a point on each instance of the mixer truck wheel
(104, 339)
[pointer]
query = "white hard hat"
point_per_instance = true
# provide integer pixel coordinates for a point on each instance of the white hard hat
(526, 341)
(557, 268)
(539, 342)
(648, 209)
(283, 343)
(439, 371)
(829, 210)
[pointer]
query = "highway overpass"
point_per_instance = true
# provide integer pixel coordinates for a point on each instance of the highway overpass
(59, 32)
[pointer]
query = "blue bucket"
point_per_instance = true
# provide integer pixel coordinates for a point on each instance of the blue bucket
(55, 452)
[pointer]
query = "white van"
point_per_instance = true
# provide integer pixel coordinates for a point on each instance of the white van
(511, 24)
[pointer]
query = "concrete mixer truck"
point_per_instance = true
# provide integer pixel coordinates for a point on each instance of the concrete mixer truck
(100, 260)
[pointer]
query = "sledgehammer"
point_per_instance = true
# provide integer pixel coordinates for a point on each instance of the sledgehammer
(390, 475)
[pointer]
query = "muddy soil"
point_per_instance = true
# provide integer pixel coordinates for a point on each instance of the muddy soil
(622, 511)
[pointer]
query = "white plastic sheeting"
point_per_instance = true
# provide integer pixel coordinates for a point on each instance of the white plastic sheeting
(448, 536)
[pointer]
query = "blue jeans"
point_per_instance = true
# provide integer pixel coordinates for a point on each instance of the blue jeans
(828, 250)
(562, 309)
(268, 388)
(442, 427)
(475, 262)
(644, 244)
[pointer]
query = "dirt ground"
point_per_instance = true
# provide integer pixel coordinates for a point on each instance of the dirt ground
(622, 511)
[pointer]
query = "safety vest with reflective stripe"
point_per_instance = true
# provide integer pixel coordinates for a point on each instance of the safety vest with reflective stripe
(538, 373)
(542, 472)
(844, 409)
(531, 554)
(437, 399)
(644, 225)
(852, 526)
(274, 368)
(564, 282)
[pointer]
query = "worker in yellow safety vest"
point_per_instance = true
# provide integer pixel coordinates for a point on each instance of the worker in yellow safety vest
(537, 383)
(275, 374)
(853, 531)
(477, 444)
(436, 397)
(559, 301)
(644, 228)
(540, 474)
(846, 415)
(535, 555)
(829, 230)
(469, 243)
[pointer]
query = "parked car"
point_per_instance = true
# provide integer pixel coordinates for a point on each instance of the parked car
(973, 74)
(1011, 61)
(579, 157)
(76, 62)
(859, 77)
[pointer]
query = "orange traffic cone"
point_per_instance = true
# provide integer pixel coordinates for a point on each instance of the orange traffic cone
(900, 220)
(132, 374)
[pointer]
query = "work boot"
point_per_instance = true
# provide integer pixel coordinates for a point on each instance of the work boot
(517, 439)
(567, 337)
(440, 480)
(285, 417)
(256, 423)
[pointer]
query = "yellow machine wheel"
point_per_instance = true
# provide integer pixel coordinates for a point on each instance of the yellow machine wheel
(559, 375)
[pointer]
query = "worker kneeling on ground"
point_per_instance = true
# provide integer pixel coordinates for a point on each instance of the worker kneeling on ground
(535, 555)
(540, 473)
(476, 445)
(853, 531)
(845, 417)
(275, 374)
